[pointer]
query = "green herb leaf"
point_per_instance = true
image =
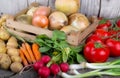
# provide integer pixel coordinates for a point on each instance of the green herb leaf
(77, 48)
(65, 54)
(58, 35)
(79, 58)
(103, 21)
(44, 49)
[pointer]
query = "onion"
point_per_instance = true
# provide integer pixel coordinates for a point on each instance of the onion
(42, 10)
(79, 21)
(57, 20)
(31, 11)
(68, 29)
(67, 6)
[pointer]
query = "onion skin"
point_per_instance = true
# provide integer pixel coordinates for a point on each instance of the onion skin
(31, 11)
(67, 6)
(42, 10)
(68, 29)
(79, 21)
(57, 20)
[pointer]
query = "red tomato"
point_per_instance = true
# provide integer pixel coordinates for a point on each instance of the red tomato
(101, 33)
(40, 21)
(94, 38)
(102, 26)
(96, 52)
(108, 23)
(114, 47)
(118, 23)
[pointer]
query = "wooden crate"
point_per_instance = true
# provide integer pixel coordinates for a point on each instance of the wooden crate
(74, 38)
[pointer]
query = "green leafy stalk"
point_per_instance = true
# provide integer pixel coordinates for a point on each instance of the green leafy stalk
(59, 44)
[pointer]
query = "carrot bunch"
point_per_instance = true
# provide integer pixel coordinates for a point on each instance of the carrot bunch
(29, 53)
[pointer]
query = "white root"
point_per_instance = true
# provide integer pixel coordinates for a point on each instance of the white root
(73, 71)
(78, 66)
(64, 75)
(91, 66)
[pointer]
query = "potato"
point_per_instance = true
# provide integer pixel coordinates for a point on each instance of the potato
(5, 61)
(13, 52)
(16, 59)
(3, 49)
(16, 67)
(12, 42)
(2, 43)
(4, 35)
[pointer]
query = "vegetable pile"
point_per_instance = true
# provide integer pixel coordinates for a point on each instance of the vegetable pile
(54, 55)
(9, 52)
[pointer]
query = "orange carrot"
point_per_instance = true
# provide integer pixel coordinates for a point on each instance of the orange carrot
(23, 58)
(28, 47)
(26, 54)
(36, 51)
(23, 45)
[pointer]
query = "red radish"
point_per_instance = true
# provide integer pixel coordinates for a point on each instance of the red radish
(44, 72)
(46, 59)
(38, 65)
(55, 69)
(64, 67)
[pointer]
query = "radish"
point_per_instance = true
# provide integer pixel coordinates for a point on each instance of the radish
(46, 59)
(64, 67)
(55, 69)
(38, 65)
(44, 72)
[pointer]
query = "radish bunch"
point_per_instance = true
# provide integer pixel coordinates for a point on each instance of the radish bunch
(44, 71)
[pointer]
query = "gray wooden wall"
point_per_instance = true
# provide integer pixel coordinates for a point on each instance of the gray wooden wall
(102, 8)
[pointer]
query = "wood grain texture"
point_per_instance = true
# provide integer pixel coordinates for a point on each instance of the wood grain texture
(110, 8)
(90, 7)
(104, 8)
(43, 2)
(52, 3)
(12, 6)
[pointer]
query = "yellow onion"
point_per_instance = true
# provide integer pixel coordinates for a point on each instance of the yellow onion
(68, 29)
(31, 11)
(67, 6)
(79, 21)
(42, 10)
(57, 20)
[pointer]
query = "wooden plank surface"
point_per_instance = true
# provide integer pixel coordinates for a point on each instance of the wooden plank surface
(110, 8)
(90, 7)
(104, 8)
(12, 6)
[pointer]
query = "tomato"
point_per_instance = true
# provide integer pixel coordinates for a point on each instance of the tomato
(101, 33)
(118, 23)
(102, 26)
(108, 23)
(96, 52)
(40, 21)
(94, 38)
(114, 46)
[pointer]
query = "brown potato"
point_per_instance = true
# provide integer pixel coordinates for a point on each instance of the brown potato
(3, 49)
(5, 61)
(12, 42)
(2, 43)
(13, 52)
(16, 67)
(4, 35)
(16, 59)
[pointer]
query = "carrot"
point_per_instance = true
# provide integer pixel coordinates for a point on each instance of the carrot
(28, 47)
(26, 54)
(36, 51)
(23, 58)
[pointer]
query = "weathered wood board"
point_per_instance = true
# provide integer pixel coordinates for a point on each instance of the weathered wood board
(102, 8)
